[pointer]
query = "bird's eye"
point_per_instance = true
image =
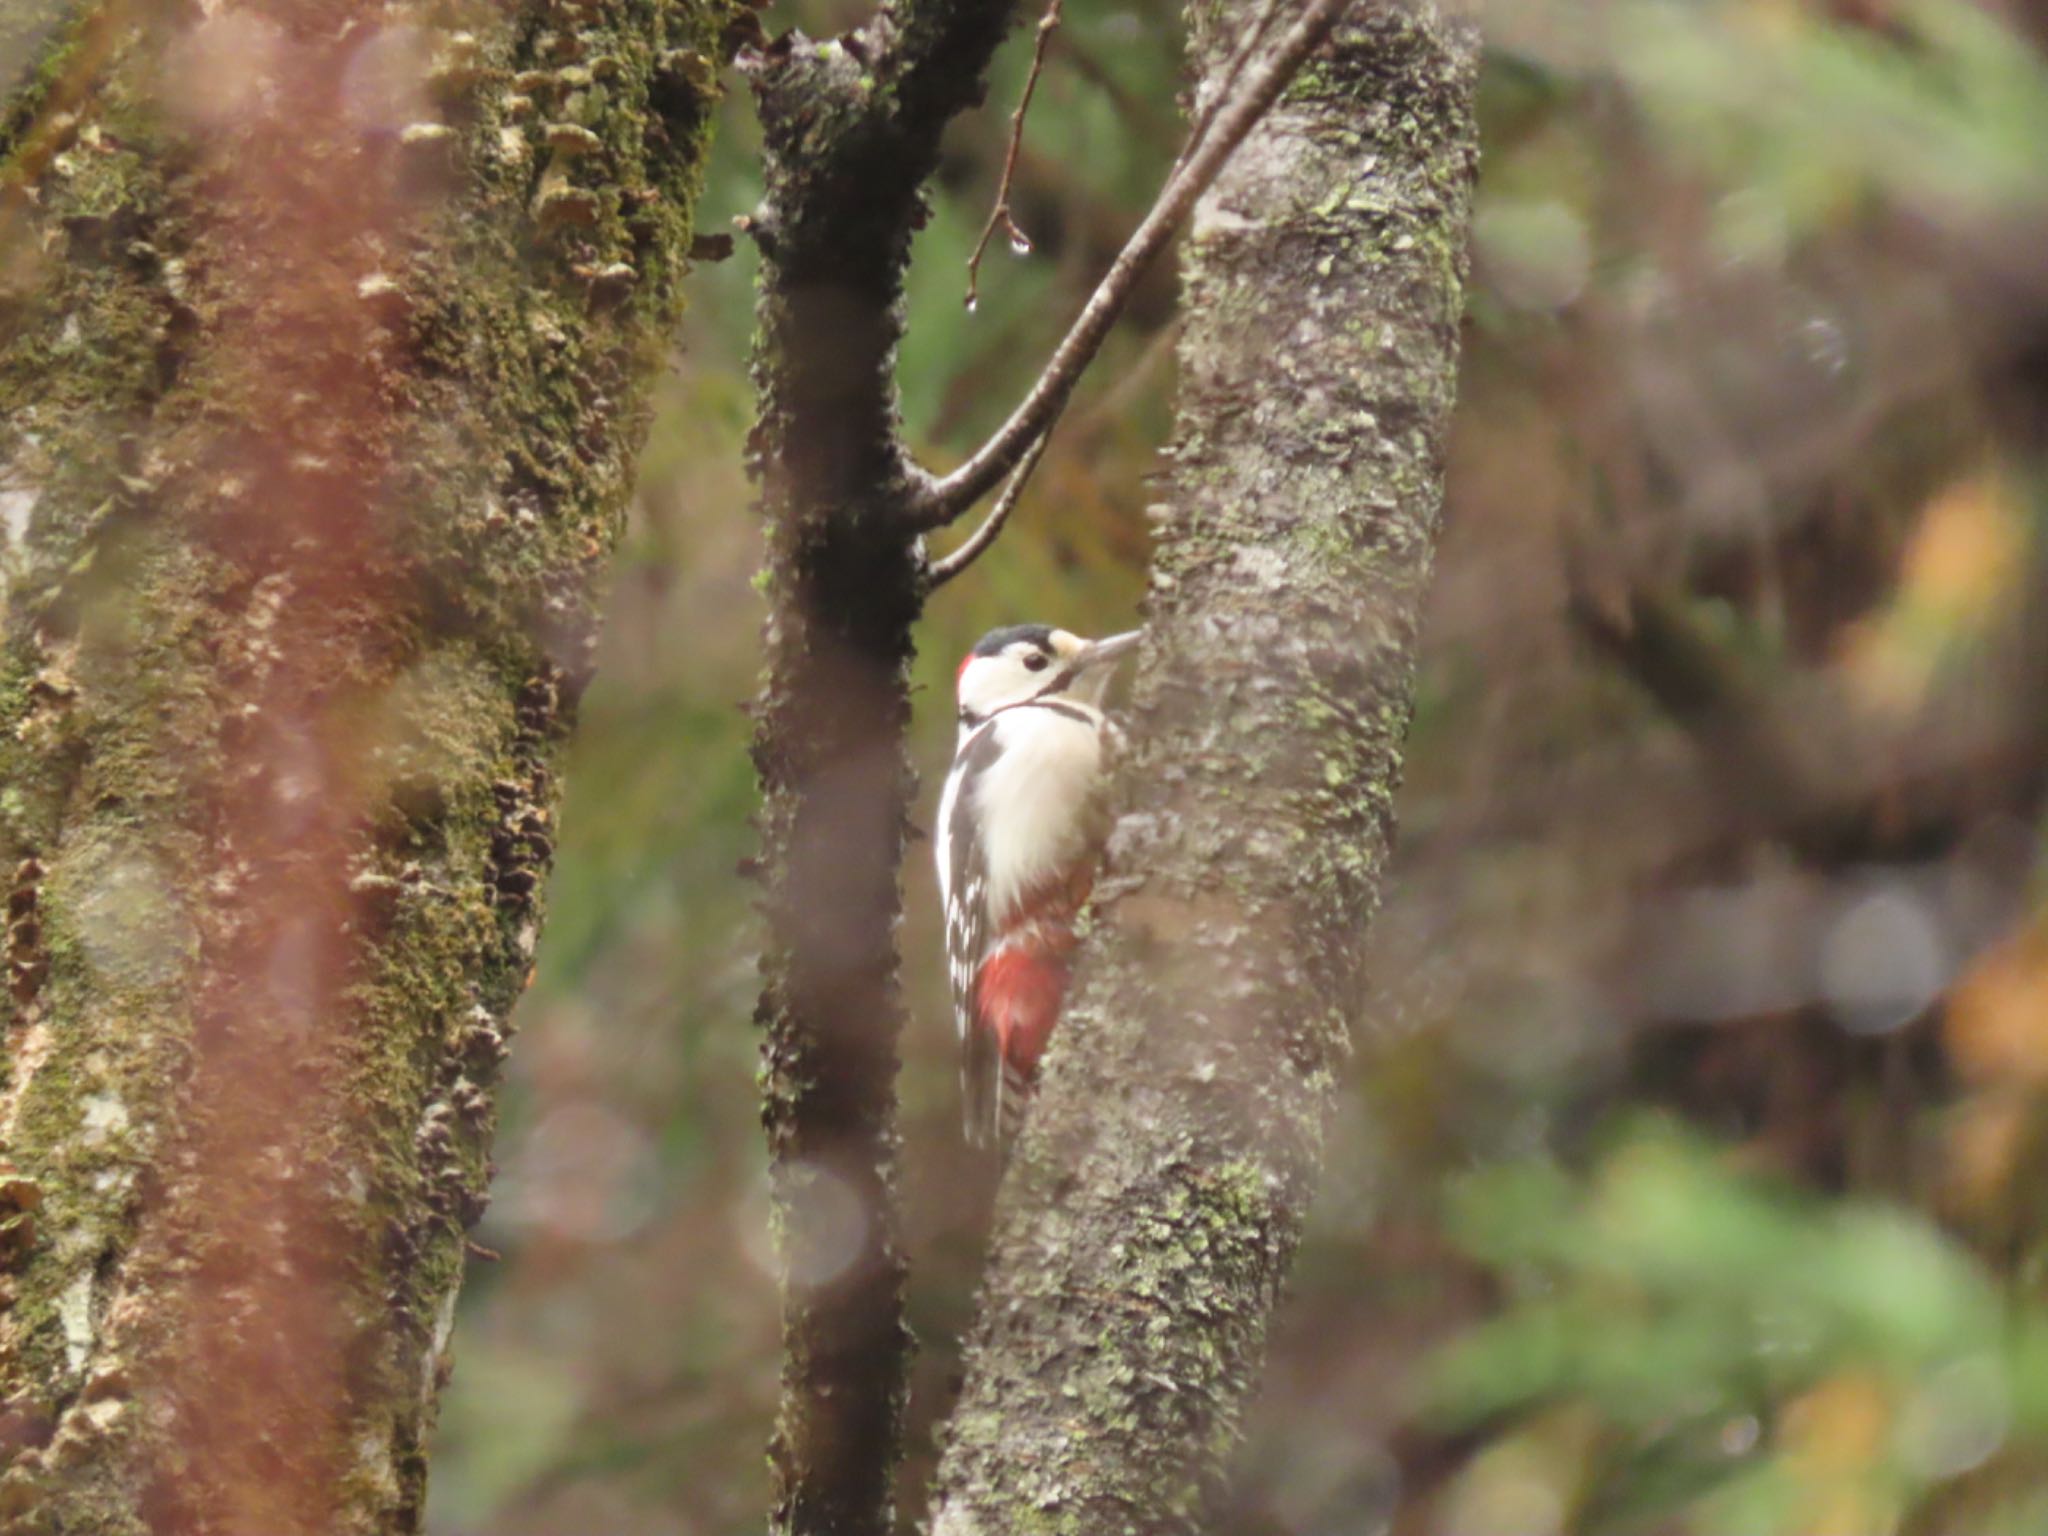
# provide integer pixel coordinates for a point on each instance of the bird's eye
(1035, 662)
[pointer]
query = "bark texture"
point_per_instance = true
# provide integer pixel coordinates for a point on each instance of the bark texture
(323, 334)
(1158, 1193)
(851, 131)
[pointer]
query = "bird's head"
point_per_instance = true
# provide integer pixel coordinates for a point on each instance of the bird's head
(1031, 661)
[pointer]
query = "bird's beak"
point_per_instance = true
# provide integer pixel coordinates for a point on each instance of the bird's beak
(1090, 672)
(1104, 653)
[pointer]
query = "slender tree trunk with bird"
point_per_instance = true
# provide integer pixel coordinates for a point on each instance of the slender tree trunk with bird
(1158, 1191)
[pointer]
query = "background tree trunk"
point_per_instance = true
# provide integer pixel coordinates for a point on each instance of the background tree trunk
(1158, 1193)
(851, 132)
(323, 339)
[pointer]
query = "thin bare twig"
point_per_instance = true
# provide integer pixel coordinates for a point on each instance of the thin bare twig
(946, 568)
(935, 501)
(1000, 215)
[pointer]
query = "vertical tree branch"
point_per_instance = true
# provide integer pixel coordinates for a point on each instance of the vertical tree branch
(1158, 1192)
(851, 131)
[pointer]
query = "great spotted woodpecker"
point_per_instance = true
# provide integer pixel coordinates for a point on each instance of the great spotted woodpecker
(1021, 826)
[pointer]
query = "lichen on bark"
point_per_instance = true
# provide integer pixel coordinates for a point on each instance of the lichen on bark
(1156, 1198)
(324, 334)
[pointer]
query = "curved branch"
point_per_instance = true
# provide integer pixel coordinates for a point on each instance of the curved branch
(933, 502)
(947, 567)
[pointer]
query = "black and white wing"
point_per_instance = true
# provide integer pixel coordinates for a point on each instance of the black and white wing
(963, 890)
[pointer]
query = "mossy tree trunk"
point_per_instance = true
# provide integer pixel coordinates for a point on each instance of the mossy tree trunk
(324, 334)
(1158, 1193)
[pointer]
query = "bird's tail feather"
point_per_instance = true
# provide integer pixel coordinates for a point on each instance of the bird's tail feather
(995, 1093)
(1013, 1102)
(981, 1087)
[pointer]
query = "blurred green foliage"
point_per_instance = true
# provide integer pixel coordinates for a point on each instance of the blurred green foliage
(1742, 1354)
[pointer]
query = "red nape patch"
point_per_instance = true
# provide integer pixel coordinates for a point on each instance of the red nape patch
(1018, 1000)
(961, 670)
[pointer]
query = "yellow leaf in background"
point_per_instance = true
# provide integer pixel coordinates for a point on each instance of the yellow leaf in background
(1958, 572)
(1965, 554)
(1983, 1143)
(1997, 1019)
(1777, 21)
(1836, 1438)
(1842, 1424)
(1528, 1484)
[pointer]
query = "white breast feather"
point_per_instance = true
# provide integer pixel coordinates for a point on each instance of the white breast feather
(1049, 783)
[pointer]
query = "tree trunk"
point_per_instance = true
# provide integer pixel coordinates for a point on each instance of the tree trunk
(1158, 1193)
(850, 133)
(323, 341)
